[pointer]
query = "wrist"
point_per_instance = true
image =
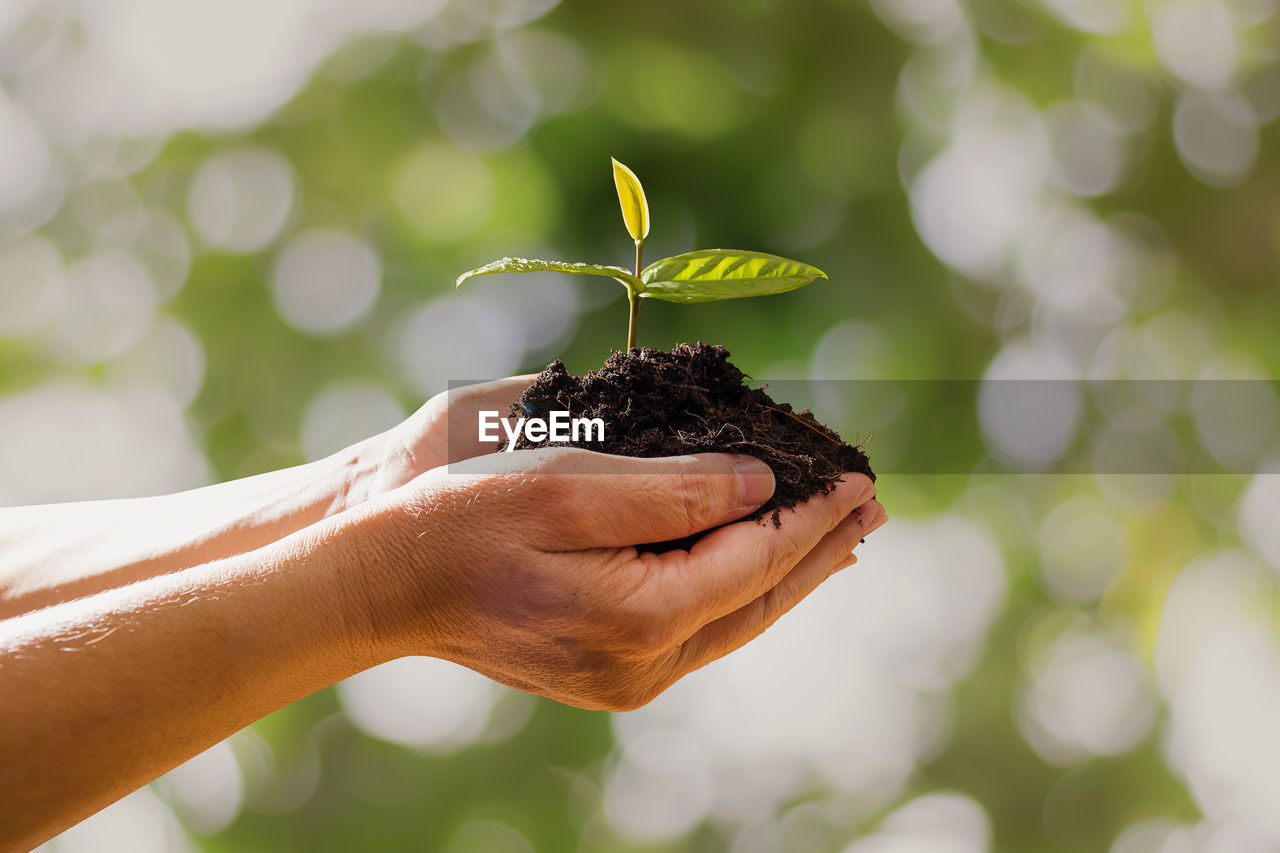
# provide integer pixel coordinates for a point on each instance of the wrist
(279, 503)
(347, 478)
(320, 576)
(375, 580)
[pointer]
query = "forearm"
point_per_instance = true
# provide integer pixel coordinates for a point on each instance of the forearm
(58, 552)
(100, 695)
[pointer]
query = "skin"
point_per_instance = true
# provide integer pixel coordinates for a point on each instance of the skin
(522, 566)
(57, 553)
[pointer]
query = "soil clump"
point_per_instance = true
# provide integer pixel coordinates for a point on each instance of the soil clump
(693, 400)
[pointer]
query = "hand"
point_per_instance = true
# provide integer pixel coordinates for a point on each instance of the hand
(519, 565)
(444, 430)
(523, 567)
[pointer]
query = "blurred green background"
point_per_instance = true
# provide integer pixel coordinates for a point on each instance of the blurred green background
(228, 237)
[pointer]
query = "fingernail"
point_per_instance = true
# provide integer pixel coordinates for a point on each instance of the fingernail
(755, 481)
(875, 512)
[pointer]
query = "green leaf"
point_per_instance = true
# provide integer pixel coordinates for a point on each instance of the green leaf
(625, 277)
(712, 274)
(635, 208)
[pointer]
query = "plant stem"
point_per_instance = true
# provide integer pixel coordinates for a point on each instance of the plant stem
(633, 300)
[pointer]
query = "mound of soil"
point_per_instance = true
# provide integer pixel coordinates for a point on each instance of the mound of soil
(692, 400)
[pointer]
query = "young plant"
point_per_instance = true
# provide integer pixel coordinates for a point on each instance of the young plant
(706, 275)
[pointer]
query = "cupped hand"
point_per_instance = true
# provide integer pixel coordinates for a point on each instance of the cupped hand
(522, 566)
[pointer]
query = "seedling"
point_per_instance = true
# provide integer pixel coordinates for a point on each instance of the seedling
(706, 275)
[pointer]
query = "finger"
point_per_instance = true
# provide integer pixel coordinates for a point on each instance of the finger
(733, 566)
(829, 556)
(659, 499)
(846, 563)
(597, 500)
(462, 425)
(499, 393)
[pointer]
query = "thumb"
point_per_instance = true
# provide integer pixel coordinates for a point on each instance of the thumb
(663, 498)
(600, 500)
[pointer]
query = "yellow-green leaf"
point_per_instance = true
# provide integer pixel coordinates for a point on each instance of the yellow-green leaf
(625, 277)
(635, 208)
(712, 274)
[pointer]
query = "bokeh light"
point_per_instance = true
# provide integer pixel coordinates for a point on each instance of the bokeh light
(240, 198)
(344, 413)
(138, 823)
(1086, 696)
(660, 787)
(31, 181)
(31, 285)
(123, 443)
(1216, 134)
(1257, 515)
(207, 791)
(1082, 550)
(1196, 40)
(944, 822)
(325, 280)
(109, 303)
(170, 357)
(1028, 405)
(428, 704)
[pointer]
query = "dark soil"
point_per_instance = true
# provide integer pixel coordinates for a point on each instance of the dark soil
(692, 400)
